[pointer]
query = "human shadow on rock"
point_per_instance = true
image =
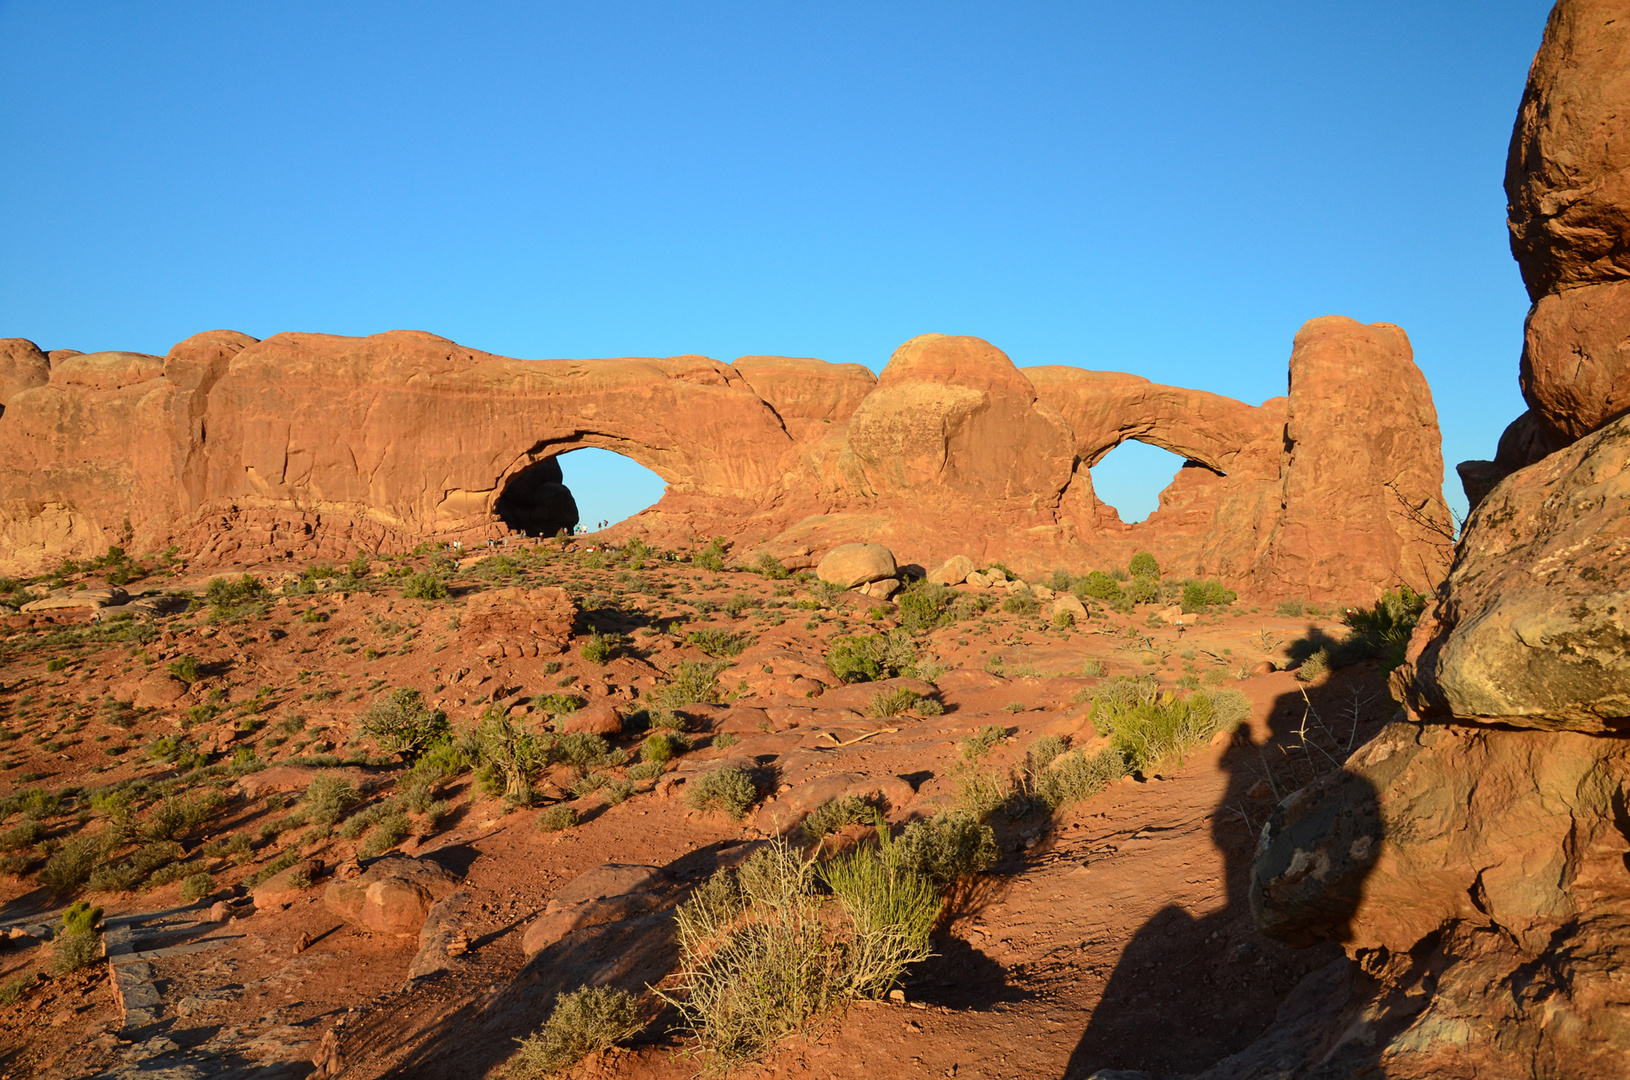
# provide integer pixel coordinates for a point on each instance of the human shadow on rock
(1189, 991)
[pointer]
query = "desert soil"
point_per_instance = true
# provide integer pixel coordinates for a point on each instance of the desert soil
(1116, 934)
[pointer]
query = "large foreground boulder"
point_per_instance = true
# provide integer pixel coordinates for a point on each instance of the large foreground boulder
(1533, 630)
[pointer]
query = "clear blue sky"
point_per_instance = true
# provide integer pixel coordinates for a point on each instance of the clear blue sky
(1164, 188)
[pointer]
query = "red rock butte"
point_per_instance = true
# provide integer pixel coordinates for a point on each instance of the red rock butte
(311, 445)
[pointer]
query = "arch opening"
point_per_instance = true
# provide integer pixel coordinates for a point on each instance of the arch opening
(1132, 476)
(585, 486)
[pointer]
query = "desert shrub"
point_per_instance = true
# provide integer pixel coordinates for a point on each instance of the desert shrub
(1097, 586)
(128, 873)
(1075, 777)
(1046, 749)
(690, 682)
(1149, 729)
(1314, 667)
(185, 669)
(580, 749)
(1021, 602)
(661, 747)
(171, 872)
(1063, 620)
(645, 770)
(582, 1022)
(271, 869)
(899, 699)
(1201, 596)
(588, 783)
(755, 963)
(509, 757)
(24, 835)
(726, 788)
(425, 585)
(329, 798)
(1290, 609)
(834, 814)
(78, 943)
(770, 567)
(196, 887)
(824, 593)
(182, 814)
(948, 848)
(388, 831)
(719, 643)
(556, 818)
(13, 989)
(1384, 630)
(600, 648)
(925, 606)
(1141, 590)
(865, 657)
(557, 704)
(1143, 565)
(174, 749)
(401, 723)
(712, 556)
(983, 741)
(227, 593)
(892, 909)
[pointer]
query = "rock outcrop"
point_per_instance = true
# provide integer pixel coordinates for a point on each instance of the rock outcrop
(1568, 201)
(239, 450)
(1474, 858)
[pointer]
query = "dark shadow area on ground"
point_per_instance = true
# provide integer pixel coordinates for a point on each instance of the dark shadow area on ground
(1188, 992)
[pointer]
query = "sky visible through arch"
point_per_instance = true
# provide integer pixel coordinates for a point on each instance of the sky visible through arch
(1169, 189)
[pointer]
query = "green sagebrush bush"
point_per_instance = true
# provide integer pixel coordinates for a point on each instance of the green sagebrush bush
(726, 788)
(1147, 726)
(759, 958)
(866, 657)
(582, 1022)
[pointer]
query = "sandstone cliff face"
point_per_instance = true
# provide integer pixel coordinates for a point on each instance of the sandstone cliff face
(239, 449)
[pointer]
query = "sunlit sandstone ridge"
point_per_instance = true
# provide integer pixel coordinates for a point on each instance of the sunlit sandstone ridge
(316, 445)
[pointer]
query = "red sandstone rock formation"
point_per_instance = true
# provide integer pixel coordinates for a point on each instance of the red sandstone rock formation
(304, 443)
(1472, 858)
(1568, 192)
